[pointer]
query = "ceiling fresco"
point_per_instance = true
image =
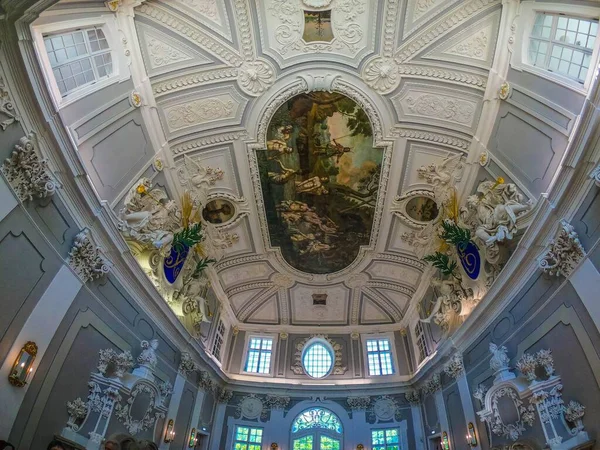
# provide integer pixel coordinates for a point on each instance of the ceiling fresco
(318, 136)
(320, 176)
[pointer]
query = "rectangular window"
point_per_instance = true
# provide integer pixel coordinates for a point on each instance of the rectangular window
(563, 44)
(218, 342)
(78, 58)
(385, 439)
(247, 438)
(258, 359)
(379, 357)
(421, 343)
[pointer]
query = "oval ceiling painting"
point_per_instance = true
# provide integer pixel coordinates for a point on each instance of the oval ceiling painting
(320, 178)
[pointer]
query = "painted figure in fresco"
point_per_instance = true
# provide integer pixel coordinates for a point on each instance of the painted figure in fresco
(336, 150)
(284, 176)
(314, 186)
(320, 177)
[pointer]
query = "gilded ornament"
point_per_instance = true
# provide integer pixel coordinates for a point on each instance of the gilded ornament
(504, 91)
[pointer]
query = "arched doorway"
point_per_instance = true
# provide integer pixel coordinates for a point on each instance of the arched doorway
(316, 429)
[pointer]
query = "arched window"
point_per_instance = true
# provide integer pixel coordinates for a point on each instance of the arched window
(317, 429)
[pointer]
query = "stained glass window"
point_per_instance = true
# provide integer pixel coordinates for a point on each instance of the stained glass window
(317, 418)
(385, 439)
(247, 438)
(328, 443)
(259, 355)
(317, 359)
(379, 356)
(305, 443)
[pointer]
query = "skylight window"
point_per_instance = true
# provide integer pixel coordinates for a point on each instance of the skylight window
(379, 357)
(317, 358)
(258, 359)
(78, 58)
(563, 44)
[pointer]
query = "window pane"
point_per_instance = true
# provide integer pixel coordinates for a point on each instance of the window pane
(317, 360)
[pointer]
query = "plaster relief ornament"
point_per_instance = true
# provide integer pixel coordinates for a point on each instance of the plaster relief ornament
(565, 252)
(251, 407)
(443, 177)
(205, 382)
(277, 401)
(504, 91)
(125, 413)
(413, 397)
(358, 403)
(385, 409)
(574, 412)
(78, 410)
(382, 74)
(499, 363)
(338, 367)
(27, 173)
(255, 77)
(7, 107)
(148, 356)
(455, 367)
(494, 211)
(432, 385)
(187, 365)
(595, 175)
(86, 259)
(316, 3)
(111, 363)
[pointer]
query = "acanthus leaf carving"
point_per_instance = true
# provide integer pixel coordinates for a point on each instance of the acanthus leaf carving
(455, 368)
(187, 365)
(358, 403)
(27, 173)
(86, 259)
(565, 252)
(277, 401)
(7, 106)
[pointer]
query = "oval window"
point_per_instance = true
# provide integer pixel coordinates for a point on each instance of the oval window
(318, 358)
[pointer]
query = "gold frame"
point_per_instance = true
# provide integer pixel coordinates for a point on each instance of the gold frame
(31, 349)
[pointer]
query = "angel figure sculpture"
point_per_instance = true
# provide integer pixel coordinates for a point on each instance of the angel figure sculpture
(443, 177)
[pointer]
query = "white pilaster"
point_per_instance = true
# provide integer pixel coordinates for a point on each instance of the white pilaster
(586, 281)
(441, 411)
(7, 199)
(40, 328)
(195, 419)
(217, 429)
(415, 411)
(467, 404)
(173, 408)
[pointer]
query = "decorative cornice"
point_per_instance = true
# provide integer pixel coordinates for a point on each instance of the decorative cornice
(277, 401)
(402, 260)
(461, 144)
(468, 79)
(358, 403)
(86, 259)
(564, 254)
(27, 173)
(195, 79)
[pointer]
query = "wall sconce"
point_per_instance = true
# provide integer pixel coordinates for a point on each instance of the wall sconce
(192, 442)
(471, 437)
(274, 446)
(170, 431)
(445, 441)
(22, 366)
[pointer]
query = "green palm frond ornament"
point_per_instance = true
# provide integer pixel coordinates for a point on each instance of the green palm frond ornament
(454, 234)
(188, 236)
(442, 262)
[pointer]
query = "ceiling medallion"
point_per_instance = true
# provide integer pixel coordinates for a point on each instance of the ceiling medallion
(316, 3)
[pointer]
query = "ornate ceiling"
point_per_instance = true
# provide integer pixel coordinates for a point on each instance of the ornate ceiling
(221, 71)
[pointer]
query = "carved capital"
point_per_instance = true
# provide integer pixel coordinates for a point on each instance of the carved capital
(187, 365)
(455, 367)
(564, 254)
(86, 259)
(413, 397)
(27, 173)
